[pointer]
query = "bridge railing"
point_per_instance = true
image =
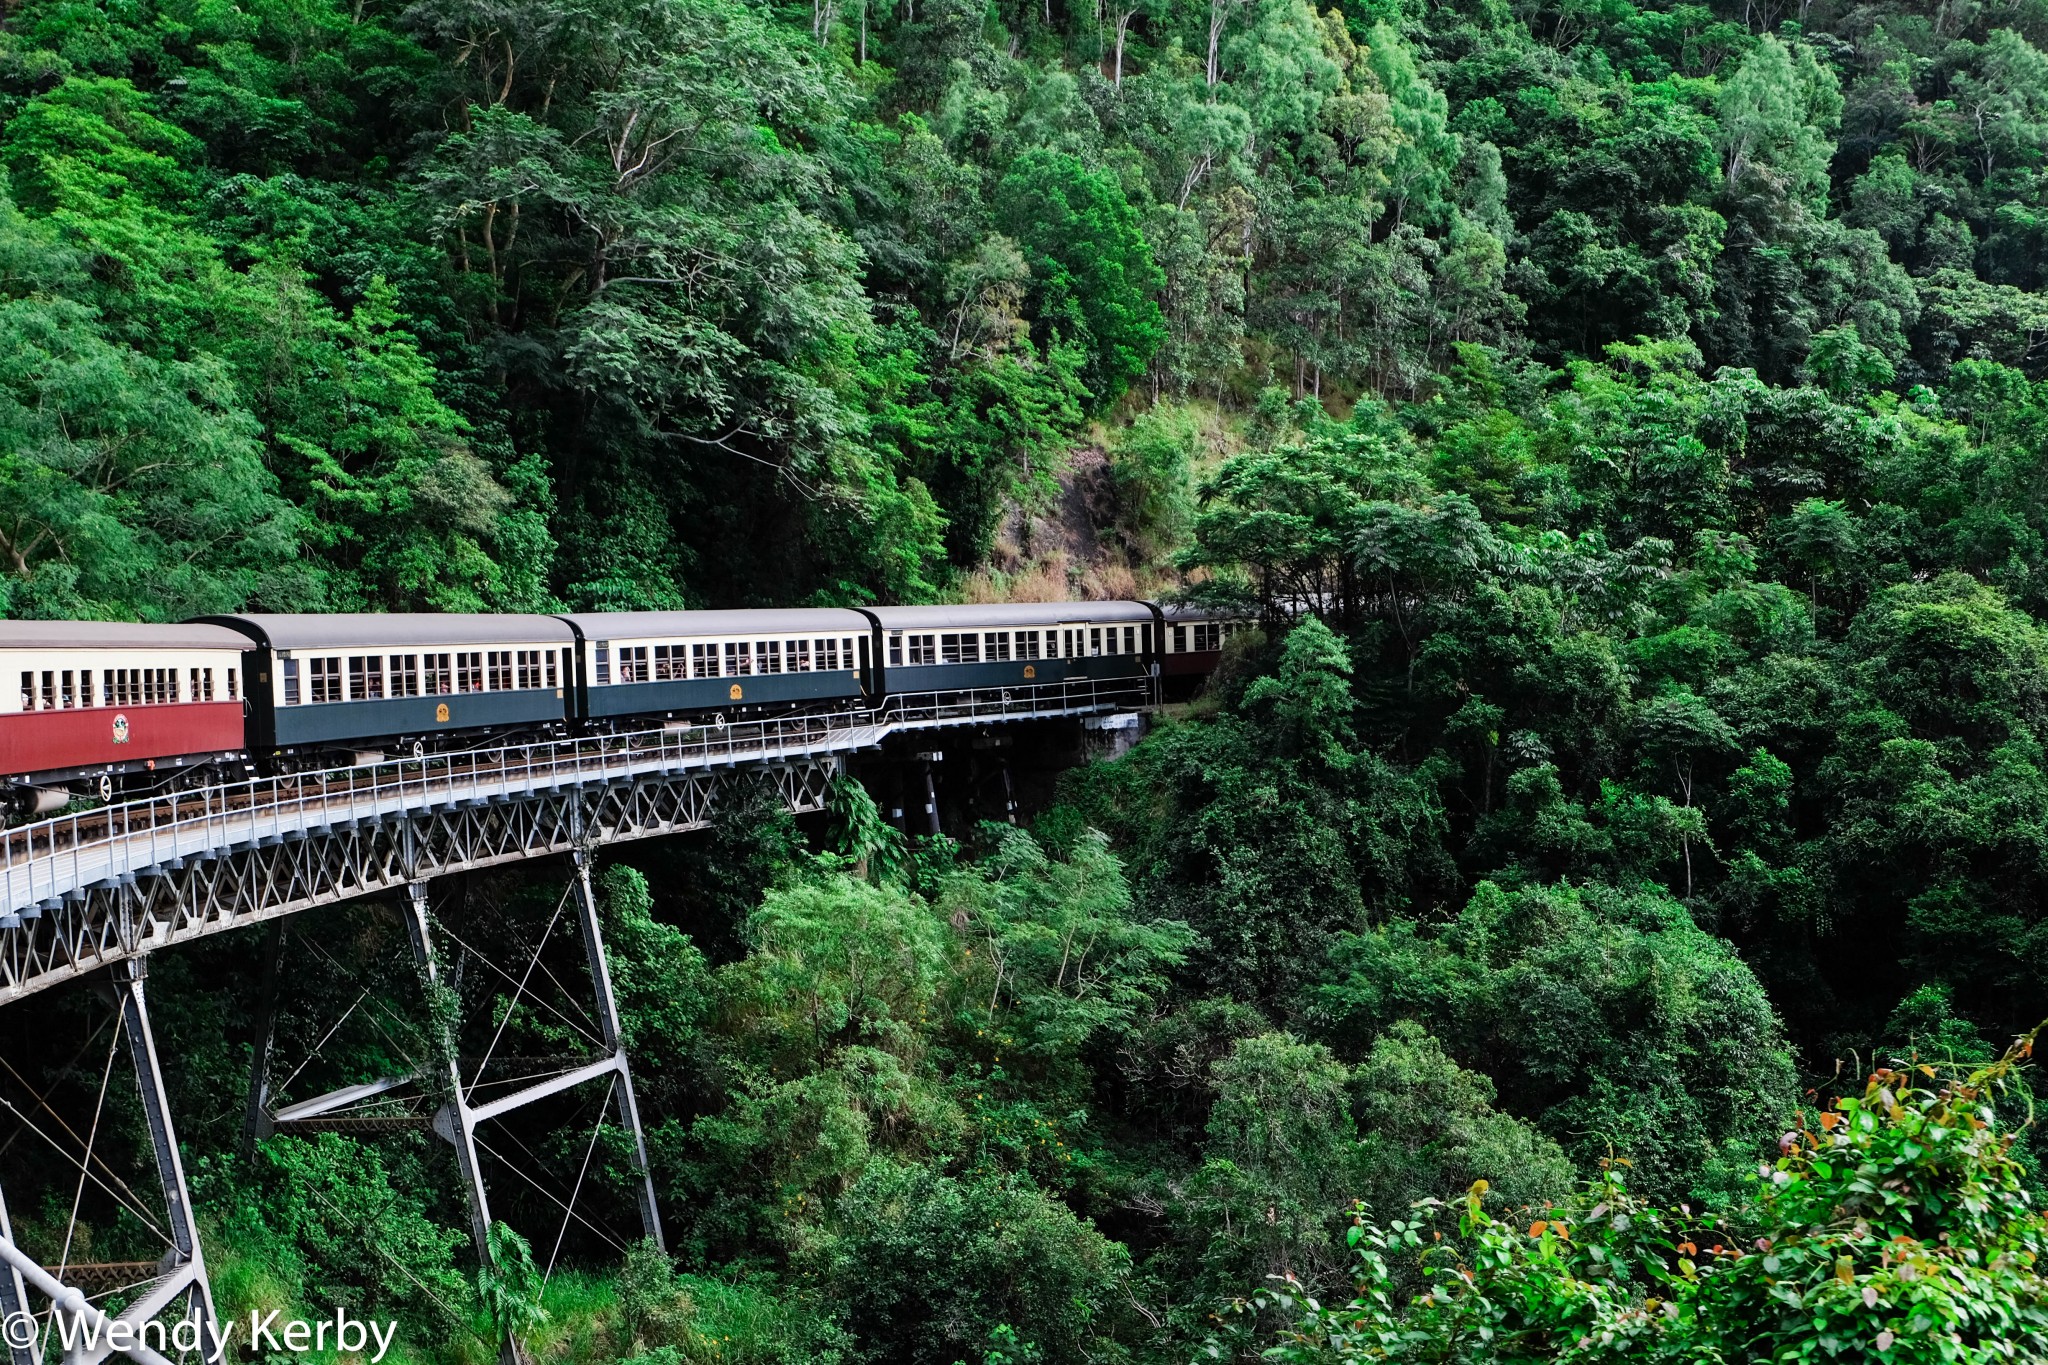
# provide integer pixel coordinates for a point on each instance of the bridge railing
(44, 861)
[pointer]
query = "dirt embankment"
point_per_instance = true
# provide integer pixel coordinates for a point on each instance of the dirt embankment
(1062, 552)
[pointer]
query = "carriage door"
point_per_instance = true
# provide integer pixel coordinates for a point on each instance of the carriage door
(1073, 644)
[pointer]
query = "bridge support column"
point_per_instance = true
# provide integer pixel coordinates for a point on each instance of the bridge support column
(256, 1122)
(608, 1021)
(454, 1122)
(926, 762)
(13, 1293)
(187, 1279)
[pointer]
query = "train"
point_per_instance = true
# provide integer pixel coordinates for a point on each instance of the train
(107, 709)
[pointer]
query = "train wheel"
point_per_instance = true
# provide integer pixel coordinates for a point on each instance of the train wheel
(419, 751)
(106, 786)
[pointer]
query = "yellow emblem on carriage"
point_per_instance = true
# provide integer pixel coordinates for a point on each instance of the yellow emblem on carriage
(120, 729)
(441, 712)
(735, 693)
(1030, 670)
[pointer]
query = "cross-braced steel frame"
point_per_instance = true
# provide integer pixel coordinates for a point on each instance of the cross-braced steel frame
(178, 1286)
(116, 927)
(99, 891)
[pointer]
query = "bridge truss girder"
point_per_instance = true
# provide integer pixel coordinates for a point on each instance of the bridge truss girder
(192, 898)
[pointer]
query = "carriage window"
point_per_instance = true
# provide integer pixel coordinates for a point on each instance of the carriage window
(1027, 644)
(529, 668)
(896, 649)
(1094, 642)
(604, 661)
(291, 682)
(739, 658)
(703, 661)
(768, 656)
(469, 672)
(799, 656)
(405, 675)
(436, 679)
(554, 676)
(995, 646)
(924, 649)
(232, 695)
(633, 664)
(28, 691)
(827, 655)
(49, 690)
(1130, 639)
(325, 677)
(960, 649)
(846, 652)
(663, 663)
(500, 662)
(1180, 639)
(365, 677)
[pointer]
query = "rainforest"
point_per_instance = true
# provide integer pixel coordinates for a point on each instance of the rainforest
(1599, 912)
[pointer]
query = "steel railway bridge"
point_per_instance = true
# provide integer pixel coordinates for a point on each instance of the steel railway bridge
(93, 894)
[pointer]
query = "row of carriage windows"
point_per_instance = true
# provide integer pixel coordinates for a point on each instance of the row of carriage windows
(1203, 636)
(370, 677)
(373, 677)
(66, 689)
(723, 659)
(1002, 646)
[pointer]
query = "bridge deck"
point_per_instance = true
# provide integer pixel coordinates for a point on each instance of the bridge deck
(79, 868)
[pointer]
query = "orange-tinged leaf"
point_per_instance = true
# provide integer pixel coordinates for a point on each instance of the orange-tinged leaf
(1536, 1228)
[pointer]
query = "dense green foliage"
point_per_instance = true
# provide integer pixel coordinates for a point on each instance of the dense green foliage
(1899, 1228)
(709, 301)
(1627, 421)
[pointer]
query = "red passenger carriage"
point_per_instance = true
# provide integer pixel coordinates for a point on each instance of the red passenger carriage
(106, 705)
